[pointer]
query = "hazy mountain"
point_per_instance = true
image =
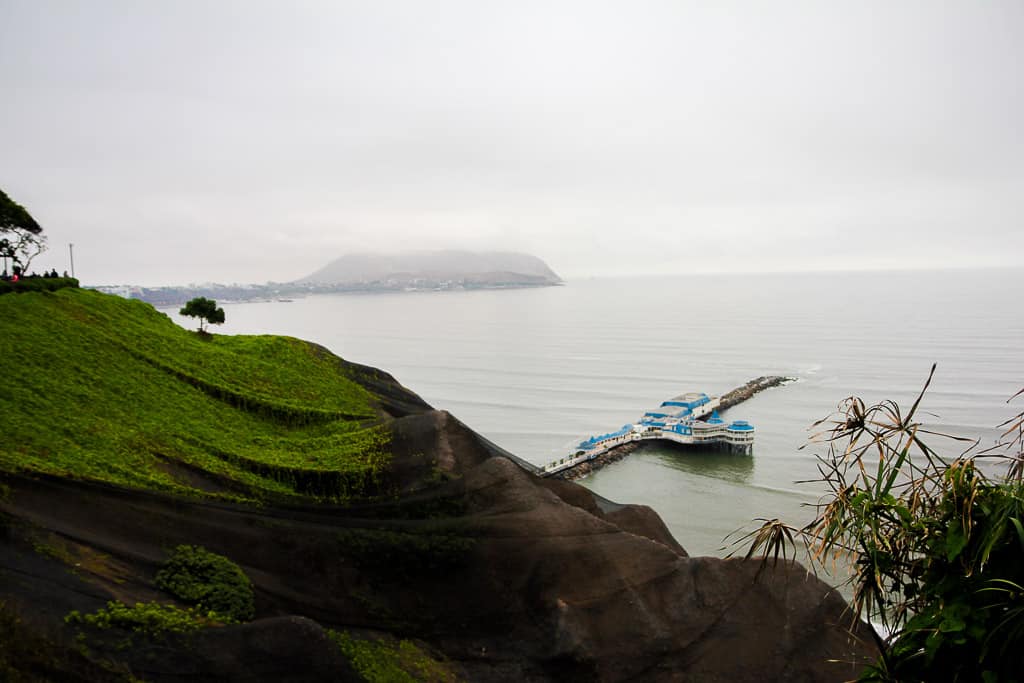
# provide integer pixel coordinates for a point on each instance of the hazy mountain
(491, 267)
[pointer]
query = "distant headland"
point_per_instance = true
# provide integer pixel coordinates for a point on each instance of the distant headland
(435, 269)
(374, 272)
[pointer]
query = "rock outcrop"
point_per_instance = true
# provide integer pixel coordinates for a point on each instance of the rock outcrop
(508, 576)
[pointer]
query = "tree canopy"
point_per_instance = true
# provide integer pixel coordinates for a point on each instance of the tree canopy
(13, 216)
(204, 309)
(21, 237)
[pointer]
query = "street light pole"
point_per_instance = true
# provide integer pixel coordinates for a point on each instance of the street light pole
(71, 253)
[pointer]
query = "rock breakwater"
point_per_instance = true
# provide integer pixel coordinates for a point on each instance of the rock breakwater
(754, 386)
(606, 458)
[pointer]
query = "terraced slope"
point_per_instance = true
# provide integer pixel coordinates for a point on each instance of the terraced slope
(102, 388)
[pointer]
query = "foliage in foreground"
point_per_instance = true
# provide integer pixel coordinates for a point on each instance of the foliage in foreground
(209, 581)
(378, 661)
(936, 543)
(103, 388)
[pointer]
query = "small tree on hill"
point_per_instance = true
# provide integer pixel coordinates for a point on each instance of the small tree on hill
(21, 237)
(204, 309)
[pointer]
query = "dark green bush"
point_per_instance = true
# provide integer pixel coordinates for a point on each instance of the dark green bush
(37, 284)
(211, 581)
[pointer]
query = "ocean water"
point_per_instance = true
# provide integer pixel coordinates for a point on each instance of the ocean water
(538, 370)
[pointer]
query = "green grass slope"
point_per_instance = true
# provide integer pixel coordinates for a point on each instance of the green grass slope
(103, 388)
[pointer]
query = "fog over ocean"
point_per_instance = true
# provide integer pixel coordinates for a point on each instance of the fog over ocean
(537, 370)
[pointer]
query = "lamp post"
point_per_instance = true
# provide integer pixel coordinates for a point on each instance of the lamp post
(71, 253)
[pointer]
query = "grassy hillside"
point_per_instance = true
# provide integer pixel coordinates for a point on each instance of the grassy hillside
(99, 387)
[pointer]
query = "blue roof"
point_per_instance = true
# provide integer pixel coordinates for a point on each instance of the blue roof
(741, 426)
(594, 440)
(688, 404)
(672, 409)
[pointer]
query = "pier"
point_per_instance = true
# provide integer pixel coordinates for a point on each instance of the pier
(690, 419)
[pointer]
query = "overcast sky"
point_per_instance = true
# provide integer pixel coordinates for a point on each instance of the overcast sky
(178, 141)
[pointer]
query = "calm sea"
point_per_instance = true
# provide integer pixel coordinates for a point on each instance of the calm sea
(537, 370)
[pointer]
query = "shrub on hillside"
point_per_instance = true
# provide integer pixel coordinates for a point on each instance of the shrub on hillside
(211, 581)
(149, 618)
(37, 284)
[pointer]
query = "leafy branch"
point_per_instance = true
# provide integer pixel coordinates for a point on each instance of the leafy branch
(934, 542)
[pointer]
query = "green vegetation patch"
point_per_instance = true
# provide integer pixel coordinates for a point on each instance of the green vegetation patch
(209, 581)
(147, 618)
(380, 661)
(104, 388)
(402, 554)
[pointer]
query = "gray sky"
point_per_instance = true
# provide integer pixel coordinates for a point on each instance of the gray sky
(248, 141)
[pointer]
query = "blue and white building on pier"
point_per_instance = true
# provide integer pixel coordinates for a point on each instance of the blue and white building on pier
(690, 419)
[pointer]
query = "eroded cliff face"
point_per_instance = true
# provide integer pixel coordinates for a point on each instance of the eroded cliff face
(509, 576)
